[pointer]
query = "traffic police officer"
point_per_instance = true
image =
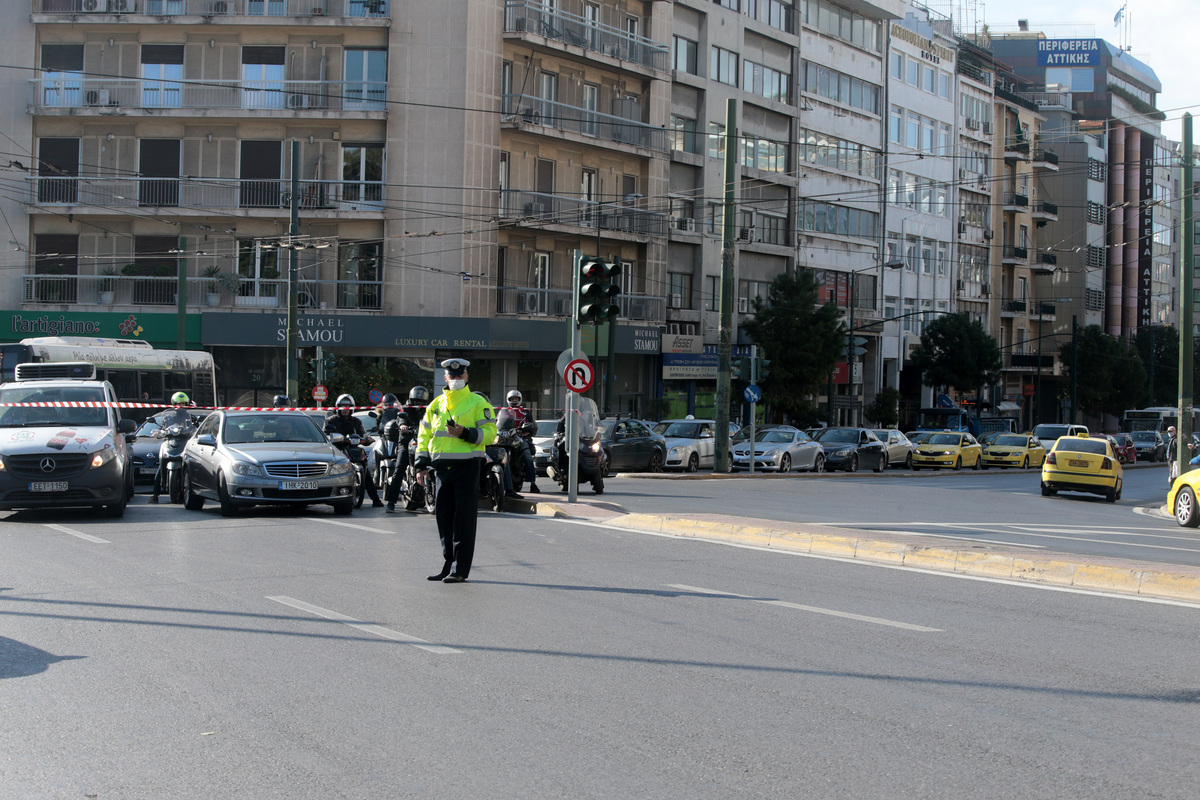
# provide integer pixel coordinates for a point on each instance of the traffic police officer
(457, 427)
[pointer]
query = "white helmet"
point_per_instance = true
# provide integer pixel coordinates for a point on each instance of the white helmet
(514, 398)
(344, 401)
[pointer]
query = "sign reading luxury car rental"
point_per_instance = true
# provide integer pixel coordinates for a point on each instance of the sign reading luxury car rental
(579, 375)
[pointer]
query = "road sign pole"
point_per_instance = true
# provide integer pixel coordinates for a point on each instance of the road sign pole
(753, 405)
(571, 444)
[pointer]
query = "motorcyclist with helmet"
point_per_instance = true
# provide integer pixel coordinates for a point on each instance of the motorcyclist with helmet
(525, 428)
(342, 420)
(282, 401)
(405, 425)
(177, 415)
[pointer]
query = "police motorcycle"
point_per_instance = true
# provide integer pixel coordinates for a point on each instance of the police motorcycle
(590, 456)
(353, 448)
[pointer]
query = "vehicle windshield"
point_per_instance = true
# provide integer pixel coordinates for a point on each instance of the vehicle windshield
(148, 427)
(919, 437)
(270, 429)
(1143, 436)
(546, 427)
(773, 435)
(27, 417)
(944, 438)
(1071, 444)
(1050, 431)
(837, 436)
(1011, 441)
(679, 430)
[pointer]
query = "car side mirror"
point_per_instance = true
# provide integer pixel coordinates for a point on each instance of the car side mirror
(206, 439)
(130, 438)
(126, 426)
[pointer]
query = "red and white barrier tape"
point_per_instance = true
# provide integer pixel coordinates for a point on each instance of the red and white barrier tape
(97, 404)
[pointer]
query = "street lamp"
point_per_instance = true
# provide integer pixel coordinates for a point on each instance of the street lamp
(851, 356)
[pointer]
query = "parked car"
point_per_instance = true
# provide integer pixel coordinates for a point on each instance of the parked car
(1022, 450)
(851, 448)
(1123, 446)
(1182, 499)
(780, 448)
(1048, 433)
(631, 445)
(899, 448)
(948, 450)
(1083, 464)
(1150, 445)
(691, 443)
(917, 437)
(246, 458)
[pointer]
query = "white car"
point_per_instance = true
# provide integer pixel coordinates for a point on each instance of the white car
(691, 443)
(780, 448)
(543, 441)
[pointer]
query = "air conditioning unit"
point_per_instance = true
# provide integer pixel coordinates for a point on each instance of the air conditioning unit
(676, 300)
(689, 224)
(988, 233)
(219, 7)
(962, 226)
(528, 302)
(563, 307)
(745, 234)
(962, 285)
(298, 101)
(122, 6)
(962, 173)
(95, 6)
(987, 128)
(972, 124)
(98, 97)
(985, 289)
(743, 305)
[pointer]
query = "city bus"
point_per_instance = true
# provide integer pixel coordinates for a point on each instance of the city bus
(1156, 418)
(137, 371)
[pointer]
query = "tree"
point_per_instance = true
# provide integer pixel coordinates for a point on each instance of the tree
(885, 409)
(346, 376)
(956, 351)
(802, 339)
(1110, 375)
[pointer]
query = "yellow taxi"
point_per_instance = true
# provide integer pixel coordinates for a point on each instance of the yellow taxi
(1013, 450)
(1182, 499)
(1082, 464)
(948, 450)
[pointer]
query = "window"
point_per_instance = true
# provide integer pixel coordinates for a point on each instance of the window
(772, 230)
(897, 65)
(836, 21)
(156, 257)
(914, 73)
(687, 56)
(712, 293)
(58, 170)
(724, 66)
(766, 82)
(360, 275)
(716, 219)
(732, 5)
(683, 134)
(56, 256)
(764, 154)
(912, 138)
(716, 140)
(362, 174)
(839, 220)
(679, 290)
(158, 168)
(944, 84)
(774, 13)
(896, 126)
(366, 79)
(929, 74)
(262, 77)
(162, 69)
(841, 88)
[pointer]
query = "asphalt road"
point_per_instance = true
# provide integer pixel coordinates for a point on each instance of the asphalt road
(286, 655)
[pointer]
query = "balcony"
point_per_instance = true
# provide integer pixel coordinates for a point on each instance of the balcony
(1045, 211)
(1045, 159)
(1015, 255)
(123, 290)
(119, 96)
(530, 18)
(521, 110)
(1045, 311)
(1061, 100)
(107, 194)
(1015, 201)
(532, 301)
(1016, 148)
(536, 209)
(263, 12)
(1011, 308)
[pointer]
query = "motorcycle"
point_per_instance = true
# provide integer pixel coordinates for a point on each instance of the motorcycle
(172, 457)
(514, 439)
(352, 446)
(414, 495)
(491, 477)
(590, 456)
(387, 453)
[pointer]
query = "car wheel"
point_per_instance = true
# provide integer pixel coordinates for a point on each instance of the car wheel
(1186, 513)
(116, 509)
(228, 509)
(1048, 491)
(656, 461)
(785, 464)
(908, 461)
(819, 463)
(191, 500)
(1025, 463)
(360, 486)
(853, 465)
(343, 507)
(916, 468)
(882, 464)
(978, 462)
(1111, 495)
(693, 464)
(957, 464)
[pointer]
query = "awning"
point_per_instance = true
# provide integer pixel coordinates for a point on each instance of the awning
(1007, 405)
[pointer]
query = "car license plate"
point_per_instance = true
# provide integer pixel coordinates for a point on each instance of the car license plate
(1076, 462)
(48, 486)
(147, 470)
(285, 485)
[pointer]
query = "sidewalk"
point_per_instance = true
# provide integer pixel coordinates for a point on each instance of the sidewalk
(930, 553)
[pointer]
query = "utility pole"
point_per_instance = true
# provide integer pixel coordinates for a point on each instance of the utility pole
(181, 298)
(725, 343)
(293, 331)
(1074, 365)
(1187, 277)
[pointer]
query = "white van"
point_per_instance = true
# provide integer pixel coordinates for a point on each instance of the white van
(1048, 434)
(62, 454)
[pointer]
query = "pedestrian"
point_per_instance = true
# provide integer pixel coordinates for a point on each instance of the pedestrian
(457, 427)
(1172, 455)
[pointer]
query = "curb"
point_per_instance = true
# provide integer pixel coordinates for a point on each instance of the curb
(1142, 579)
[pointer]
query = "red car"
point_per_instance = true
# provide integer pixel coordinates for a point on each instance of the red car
(1122, 444)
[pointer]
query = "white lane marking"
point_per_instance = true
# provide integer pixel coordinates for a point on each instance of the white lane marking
(376, 630)
(85, 536)
(1033, 532)
(813, 609)
(345, 524)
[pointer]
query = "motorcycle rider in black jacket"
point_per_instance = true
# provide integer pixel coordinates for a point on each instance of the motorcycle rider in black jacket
(402, 430)
(343, 421)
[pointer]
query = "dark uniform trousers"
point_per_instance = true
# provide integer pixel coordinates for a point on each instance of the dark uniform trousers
(457, 509)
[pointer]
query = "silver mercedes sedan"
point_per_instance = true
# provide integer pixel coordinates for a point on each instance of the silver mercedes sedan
(247, 458)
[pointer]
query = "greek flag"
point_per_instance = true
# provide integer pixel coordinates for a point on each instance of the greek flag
(1120, 14)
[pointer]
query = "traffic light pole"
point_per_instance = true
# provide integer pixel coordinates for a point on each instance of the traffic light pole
(753, 404)
(571, 443)
(293, 312)
(725, 342)
(1187, 277)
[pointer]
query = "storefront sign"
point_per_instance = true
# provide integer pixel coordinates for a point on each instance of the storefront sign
(681, 343)
(157, 329)
(697, 366)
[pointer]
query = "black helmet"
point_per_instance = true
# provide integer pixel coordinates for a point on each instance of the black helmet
(282, 401)
(390, 400)
(419, 395)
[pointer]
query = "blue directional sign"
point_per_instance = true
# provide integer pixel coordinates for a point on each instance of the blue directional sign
(752, 394)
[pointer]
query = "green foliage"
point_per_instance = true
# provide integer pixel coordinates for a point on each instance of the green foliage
(1158, 348)
(885, 409)
(955, 351)
(347, 375)
(1111, 378)
(803, 341)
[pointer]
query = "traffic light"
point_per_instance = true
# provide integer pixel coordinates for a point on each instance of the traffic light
(764, 367)
(740, 368)
(597, 290)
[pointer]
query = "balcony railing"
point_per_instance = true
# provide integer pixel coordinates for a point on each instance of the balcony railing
(1013, 306)
(112, 94)
(557, 303)
(110, 193)
(1045, 208)
(551, 209)
(125, 290)
(97, 9)
(1016, 200)
(1046, 158)
(1013, 252)
(542, 20)
(527, 109)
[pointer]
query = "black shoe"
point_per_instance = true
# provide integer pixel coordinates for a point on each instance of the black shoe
(513, 495)
(454, 578)
(534, 490)
(154, 499)
(391, 508)
(441, 575)
(376, 504)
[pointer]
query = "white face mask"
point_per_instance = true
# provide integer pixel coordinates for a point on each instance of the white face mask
(456, 383)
